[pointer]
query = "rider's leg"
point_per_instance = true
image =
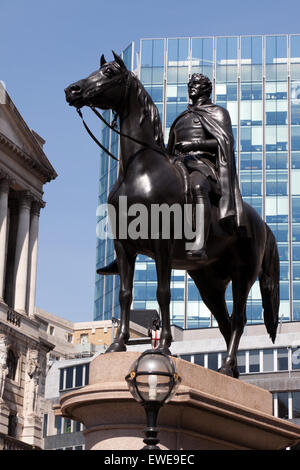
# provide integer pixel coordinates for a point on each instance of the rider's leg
(202, 208)
(110, 269)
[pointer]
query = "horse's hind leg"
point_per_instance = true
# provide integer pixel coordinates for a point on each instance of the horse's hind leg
(212, 290)
(240, 290)
(126, 269)
(163, 253)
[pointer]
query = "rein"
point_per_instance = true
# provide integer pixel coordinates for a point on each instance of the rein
(112, 126)
(95, 138)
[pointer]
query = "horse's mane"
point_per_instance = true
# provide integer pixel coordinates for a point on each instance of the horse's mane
(149, 110)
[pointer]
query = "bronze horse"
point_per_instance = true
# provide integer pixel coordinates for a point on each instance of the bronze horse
(147, 175)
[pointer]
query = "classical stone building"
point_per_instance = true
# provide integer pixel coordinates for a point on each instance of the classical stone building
(24, 169)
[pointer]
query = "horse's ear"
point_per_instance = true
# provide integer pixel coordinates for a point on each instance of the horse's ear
(119, 61)
(102, 60)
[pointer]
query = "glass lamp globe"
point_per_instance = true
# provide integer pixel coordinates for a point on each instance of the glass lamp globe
(153, 378)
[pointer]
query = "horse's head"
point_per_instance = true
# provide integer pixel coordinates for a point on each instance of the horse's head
(104, 89)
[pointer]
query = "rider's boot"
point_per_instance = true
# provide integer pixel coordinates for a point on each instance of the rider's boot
(110, 269)
(202, 212)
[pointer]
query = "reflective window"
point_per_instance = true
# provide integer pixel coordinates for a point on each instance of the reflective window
(69, 377)
(212, 361)
(296, 311)
(296, 209)
(186, 357)
(284, 289)
(67, 426)
(199, 359)
(296, 290)
(178, 55)
(79, 376)
(57, 424)
(251, 58)
(251, 91)
(45, 425)
(202, 56)
(226, 54)
(12, 364)
(72, 377)
(193, 293)
(295, 56)
(253, 361)
(296, 404)
(283, 405)
(275, 160)
(282, 359)
(241, 359)
(276, 58)
(268, 360)
(296, 358)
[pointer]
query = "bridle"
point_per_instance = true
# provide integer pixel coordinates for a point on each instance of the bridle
(113, 127)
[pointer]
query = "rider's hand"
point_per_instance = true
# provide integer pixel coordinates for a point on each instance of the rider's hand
(184, 146)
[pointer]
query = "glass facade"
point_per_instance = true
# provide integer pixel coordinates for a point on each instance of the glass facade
(257, 78)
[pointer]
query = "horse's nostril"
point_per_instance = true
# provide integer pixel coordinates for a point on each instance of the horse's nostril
(75, 89)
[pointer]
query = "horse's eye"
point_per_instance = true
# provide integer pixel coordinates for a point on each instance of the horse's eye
(108, 73)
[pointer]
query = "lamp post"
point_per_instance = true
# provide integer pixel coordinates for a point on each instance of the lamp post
(152, 381)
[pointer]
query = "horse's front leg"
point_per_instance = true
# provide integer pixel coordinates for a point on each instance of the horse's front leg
(126, 270)
(163, 257)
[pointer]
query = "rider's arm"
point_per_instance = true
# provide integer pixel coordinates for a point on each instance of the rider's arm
(208, 145)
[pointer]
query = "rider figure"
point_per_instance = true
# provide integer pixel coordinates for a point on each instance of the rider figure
(202, 138)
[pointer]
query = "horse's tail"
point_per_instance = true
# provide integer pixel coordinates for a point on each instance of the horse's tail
(269, 284)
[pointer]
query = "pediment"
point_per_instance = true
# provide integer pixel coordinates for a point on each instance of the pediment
(27, 144)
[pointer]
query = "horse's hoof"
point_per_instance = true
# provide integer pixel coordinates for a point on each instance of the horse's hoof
(165, 350)
(164, 345)
(226, 371)
(116, 347)
(230, 371)
(236, 372)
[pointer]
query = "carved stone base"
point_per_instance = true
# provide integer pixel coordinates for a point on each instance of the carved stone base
(210, 411)
(32, 430)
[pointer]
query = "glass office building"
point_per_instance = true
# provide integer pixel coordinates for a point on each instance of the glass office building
(257, 78)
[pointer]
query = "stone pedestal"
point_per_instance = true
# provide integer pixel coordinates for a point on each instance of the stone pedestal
(210, 411)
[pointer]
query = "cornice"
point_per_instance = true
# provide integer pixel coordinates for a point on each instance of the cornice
(32, 135)
(45, 174)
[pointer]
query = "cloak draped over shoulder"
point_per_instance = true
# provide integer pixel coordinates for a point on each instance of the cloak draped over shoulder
(216, 121)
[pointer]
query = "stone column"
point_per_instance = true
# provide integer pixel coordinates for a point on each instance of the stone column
(21, 255)
(4, 189)
(33, 249)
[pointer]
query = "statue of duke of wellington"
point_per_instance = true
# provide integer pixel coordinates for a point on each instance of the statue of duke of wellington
(202, 137)
(242, 250)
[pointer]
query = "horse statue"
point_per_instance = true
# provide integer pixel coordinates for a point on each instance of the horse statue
(148, 175)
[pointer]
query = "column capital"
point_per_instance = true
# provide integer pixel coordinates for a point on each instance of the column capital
(25, 199)
(37, 205)
(5, 181)
(4, 185)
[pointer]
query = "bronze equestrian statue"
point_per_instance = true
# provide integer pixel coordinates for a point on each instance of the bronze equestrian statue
(233, 244)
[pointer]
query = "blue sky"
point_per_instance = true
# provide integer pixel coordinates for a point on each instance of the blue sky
(46, 45)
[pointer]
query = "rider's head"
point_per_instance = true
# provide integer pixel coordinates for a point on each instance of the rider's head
(198, 86)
